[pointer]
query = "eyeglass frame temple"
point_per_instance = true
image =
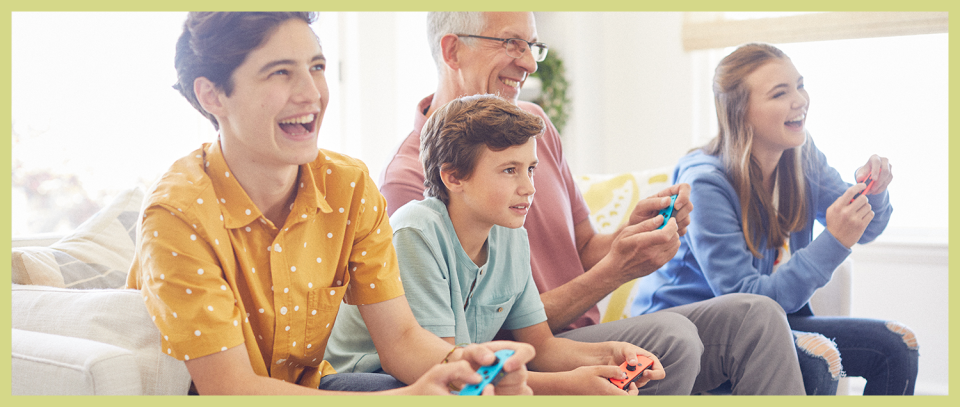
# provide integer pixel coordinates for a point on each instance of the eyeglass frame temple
(543, 46)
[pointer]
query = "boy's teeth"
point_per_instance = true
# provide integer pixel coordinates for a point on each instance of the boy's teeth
(299, 120)
(512, 83)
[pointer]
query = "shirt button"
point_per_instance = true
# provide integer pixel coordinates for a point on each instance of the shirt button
(500, 309)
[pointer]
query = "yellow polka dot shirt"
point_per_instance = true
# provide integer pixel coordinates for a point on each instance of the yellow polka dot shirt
(215, 273)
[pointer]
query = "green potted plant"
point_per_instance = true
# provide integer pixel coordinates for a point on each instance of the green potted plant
(553, 92)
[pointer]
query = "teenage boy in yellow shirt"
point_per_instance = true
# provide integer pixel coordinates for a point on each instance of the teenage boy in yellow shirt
(248, 245)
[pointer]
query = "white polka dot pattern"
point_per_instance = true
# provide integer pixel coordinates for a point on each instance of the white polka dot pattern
(291, 263)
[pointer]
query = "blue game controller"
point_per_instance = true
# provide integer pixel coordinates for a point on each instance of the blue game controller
(668, 211)
(491, 374)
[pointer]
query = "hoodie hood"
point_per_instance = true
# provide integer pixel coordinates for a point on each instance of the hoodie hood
(697, 161)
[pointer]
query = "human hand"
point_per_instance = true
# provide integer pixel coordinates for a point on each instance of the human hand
(650, 207)
(593, 380)
(623, 351)
(880, 169)
(438, 380)
(514, 382)
(847, 218)
(640, 249)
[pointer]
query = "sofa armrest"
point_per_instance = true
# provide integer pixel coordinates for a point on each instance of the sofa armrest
(115, 317)
(47, 364)
(833, 299)
(39, 239)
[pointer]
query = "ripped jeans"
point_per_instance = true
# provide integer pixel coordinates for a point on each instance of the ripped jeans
(884, 353)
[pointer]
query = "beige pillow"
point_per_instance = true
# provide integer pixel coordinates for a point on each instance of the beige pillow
(95, 255)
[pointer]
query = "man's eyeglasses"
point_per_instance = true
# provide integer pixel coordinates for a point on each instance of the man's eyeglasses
(516, 47)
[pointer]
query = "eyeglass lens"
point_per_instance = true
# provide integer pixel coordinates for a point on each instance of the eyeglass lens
(516, 48)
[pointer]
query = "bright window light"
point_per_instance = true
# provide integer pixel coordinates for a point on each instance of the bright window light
(90, 89)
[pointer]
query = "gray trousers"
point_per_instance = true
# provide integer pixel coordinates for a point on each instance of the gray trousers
(743, 338)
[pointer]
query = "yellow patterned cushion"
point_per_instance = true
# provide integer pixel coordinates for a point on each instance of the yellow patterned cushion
(610, 198)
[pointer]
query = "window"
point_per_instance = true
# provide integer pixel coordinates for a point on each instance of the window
(94, 113)
(90, 89)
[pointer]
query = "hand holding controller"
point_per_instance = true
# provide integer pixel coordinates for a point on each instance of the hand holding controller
(491, 374)
(633, 372)
(668, 211)
(869, 182)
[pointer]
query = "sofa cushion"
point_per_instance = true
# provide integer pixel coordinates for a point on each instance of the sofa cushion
(111, 316)
(96, 255)
(610, 198)
(76, 366)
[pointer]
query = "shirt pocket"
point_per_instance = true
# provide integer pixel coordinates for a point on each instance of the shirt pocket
(490, 316)
(322, 306)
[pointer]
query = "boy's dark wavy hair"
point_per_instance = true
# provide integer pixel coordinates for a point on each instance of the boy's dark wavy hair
(214, 44)
(454, 136)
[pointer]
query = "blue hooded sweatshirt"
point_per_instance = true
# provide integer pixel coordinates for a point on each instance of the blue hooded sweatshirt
(714, 259)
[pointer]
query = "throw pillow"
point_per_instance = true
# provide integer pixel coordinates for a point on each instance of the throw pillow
(95, 255)
(611, 198)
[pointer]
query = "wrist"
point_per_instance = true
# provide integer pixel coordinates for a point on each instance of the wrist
(550, 383)
(451, 357)
(454, 355)
(607, 275)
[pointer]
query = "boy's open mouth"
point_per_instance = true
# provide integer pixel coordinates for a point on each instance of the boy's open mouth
(299, 125)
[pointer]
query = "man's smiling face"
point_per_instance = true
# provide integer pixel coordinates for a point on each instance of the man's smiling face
(484, 64)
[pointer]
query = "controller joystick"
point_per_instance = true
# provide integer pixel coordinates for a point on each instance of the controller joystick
(633, 371)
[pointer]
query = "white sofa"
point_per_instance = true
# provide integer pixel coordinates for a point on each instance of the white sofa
(75, 331)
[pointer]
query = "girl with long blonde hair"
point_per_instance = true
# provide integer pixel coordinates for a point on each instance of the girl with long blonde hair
(757, 188)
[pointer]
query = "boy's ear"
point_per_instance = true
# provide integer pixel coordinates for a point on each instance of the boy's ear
(450, 181)
(208, 95)
(449, 48)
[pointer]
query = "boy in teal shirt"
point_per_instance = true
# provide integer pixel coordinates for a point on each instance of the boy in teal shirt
(465, 259)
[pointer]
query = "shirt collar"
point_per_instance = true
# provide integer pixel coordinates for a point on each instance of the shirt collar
(237, 207)
(309, 196)
(421, 118)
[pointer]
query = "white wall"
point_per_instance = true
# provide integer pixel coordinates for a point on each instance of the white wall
(385, 70)
(908, 283)
(631, 87)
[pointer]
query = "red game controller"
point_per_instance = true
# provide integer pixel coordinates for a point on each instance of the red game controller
(869, 182)
(633, 372)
